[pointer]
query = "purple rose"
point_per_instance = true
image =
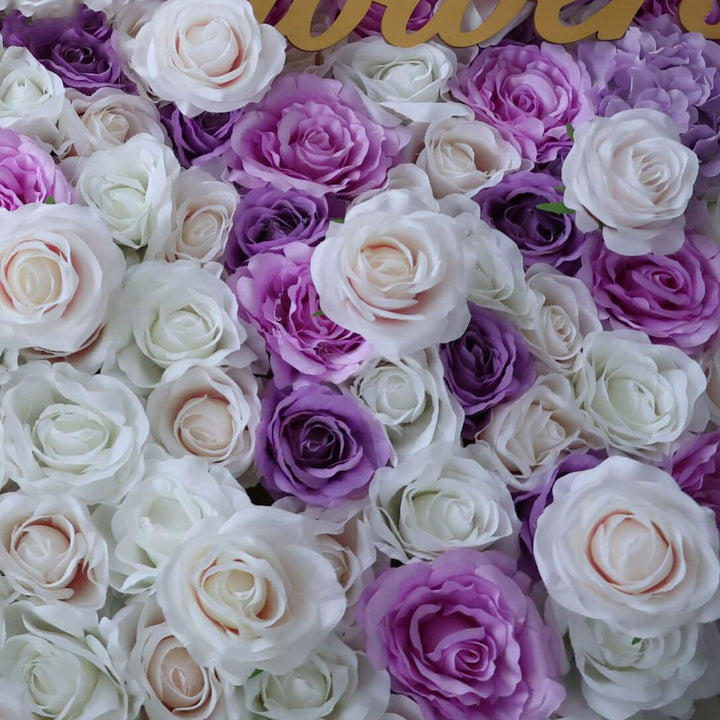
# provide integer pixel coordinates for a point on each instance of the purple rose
(318, 445)
(529, 93)
(542, 236)
(28, 174)
(675, 299)
(372, 22)
(314, 135)
(529, 505)
(461, 637)
(488, 365)
(268, 219)
(653, 8)
(79, 49)
(276, 294)
(695, 465)
(198, 139)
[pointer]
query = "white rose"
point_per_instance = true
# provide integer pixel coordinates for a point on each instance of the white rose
(532, 432)
(42, 8)
(335, 683)
(254, 593)
(50, 550)
(67, 431)
(640, 396)
(171, 317)
(62, 662)
(173, 685)
(208, 413)
(161, 512)
(398, 277)
(203, 210)
(623, 674)
(464, 156)
(400, 84)
(58, 271)
(210, 56)
(32, 99)
(631, 175)
(566, 314)
(622, 543)
(16, 701)
(498, 279)
(438, 500)
(710, 362)
(108, 118)
(410, 398)
(131, 186)
(479, 11)
(401, 707)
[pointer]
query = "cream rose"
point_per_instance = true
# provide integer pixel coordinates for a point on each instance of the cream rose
(16, 701)
(533, 432)
(630, 175)
(254, 593)
(400, 84)
(335, 683)
(62, 662)
(203, 210)
(438, 500)
(67, 431)
(51, 551)
(399, 276)
(410, 398)
(207, 56)
(58, 272)
(175, 495)
(173, 685)
(108, 118)
(131, 187)
(464, 156)
(622, 543)
(401, 707)
(169, 318)
(209, 413)
(639, 396)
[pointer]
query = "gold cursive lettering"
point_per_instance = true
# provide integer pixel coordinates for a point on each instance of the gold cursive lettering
(694, 14)
(609, 23)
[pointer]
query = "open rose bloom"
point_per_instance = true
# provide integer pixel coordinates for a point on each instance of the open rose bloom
(350, 374)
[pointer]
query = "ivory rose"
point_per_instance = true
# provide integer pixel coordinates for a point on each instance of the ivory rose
(622, 543)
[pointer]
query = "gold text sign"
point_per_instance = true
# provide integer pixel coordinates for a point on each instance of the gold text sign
(608, 23)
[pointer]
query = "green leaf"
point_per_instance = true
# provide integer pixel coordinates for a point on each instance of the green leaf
(319, 313)
(570, 131)
(560, 188)
(558, 208)
(339, 221)
(635, 641)
(49, 200)
(255, 672)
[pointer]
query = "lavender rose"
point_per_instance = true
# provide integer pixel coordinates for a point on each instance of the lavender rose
(28, 174)
(695, 465)
(79, 48)
(542, 236)
(268, 219)
(488, 365)
(315, 135)
(276, 294)
(318, 445)
(461, 636)
(529, 93)
(674, 298)
(199, 139)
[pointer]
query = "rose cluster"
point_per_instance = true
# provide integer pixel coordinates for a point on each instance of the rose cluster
(376, 383)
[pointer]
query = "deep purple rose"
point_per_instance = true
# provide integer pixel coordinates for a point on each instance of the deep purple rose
(542, 236)
(28, 174)
(461, 637)
(276, 294)
(198, 139)
(79, 49)
(372, 22)
(315, 135)
(675, 299)
(529, 505)
(488, 365)
(695, 465)
(319, 445)
(529, 93)
(654, 8)
(268, 219)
